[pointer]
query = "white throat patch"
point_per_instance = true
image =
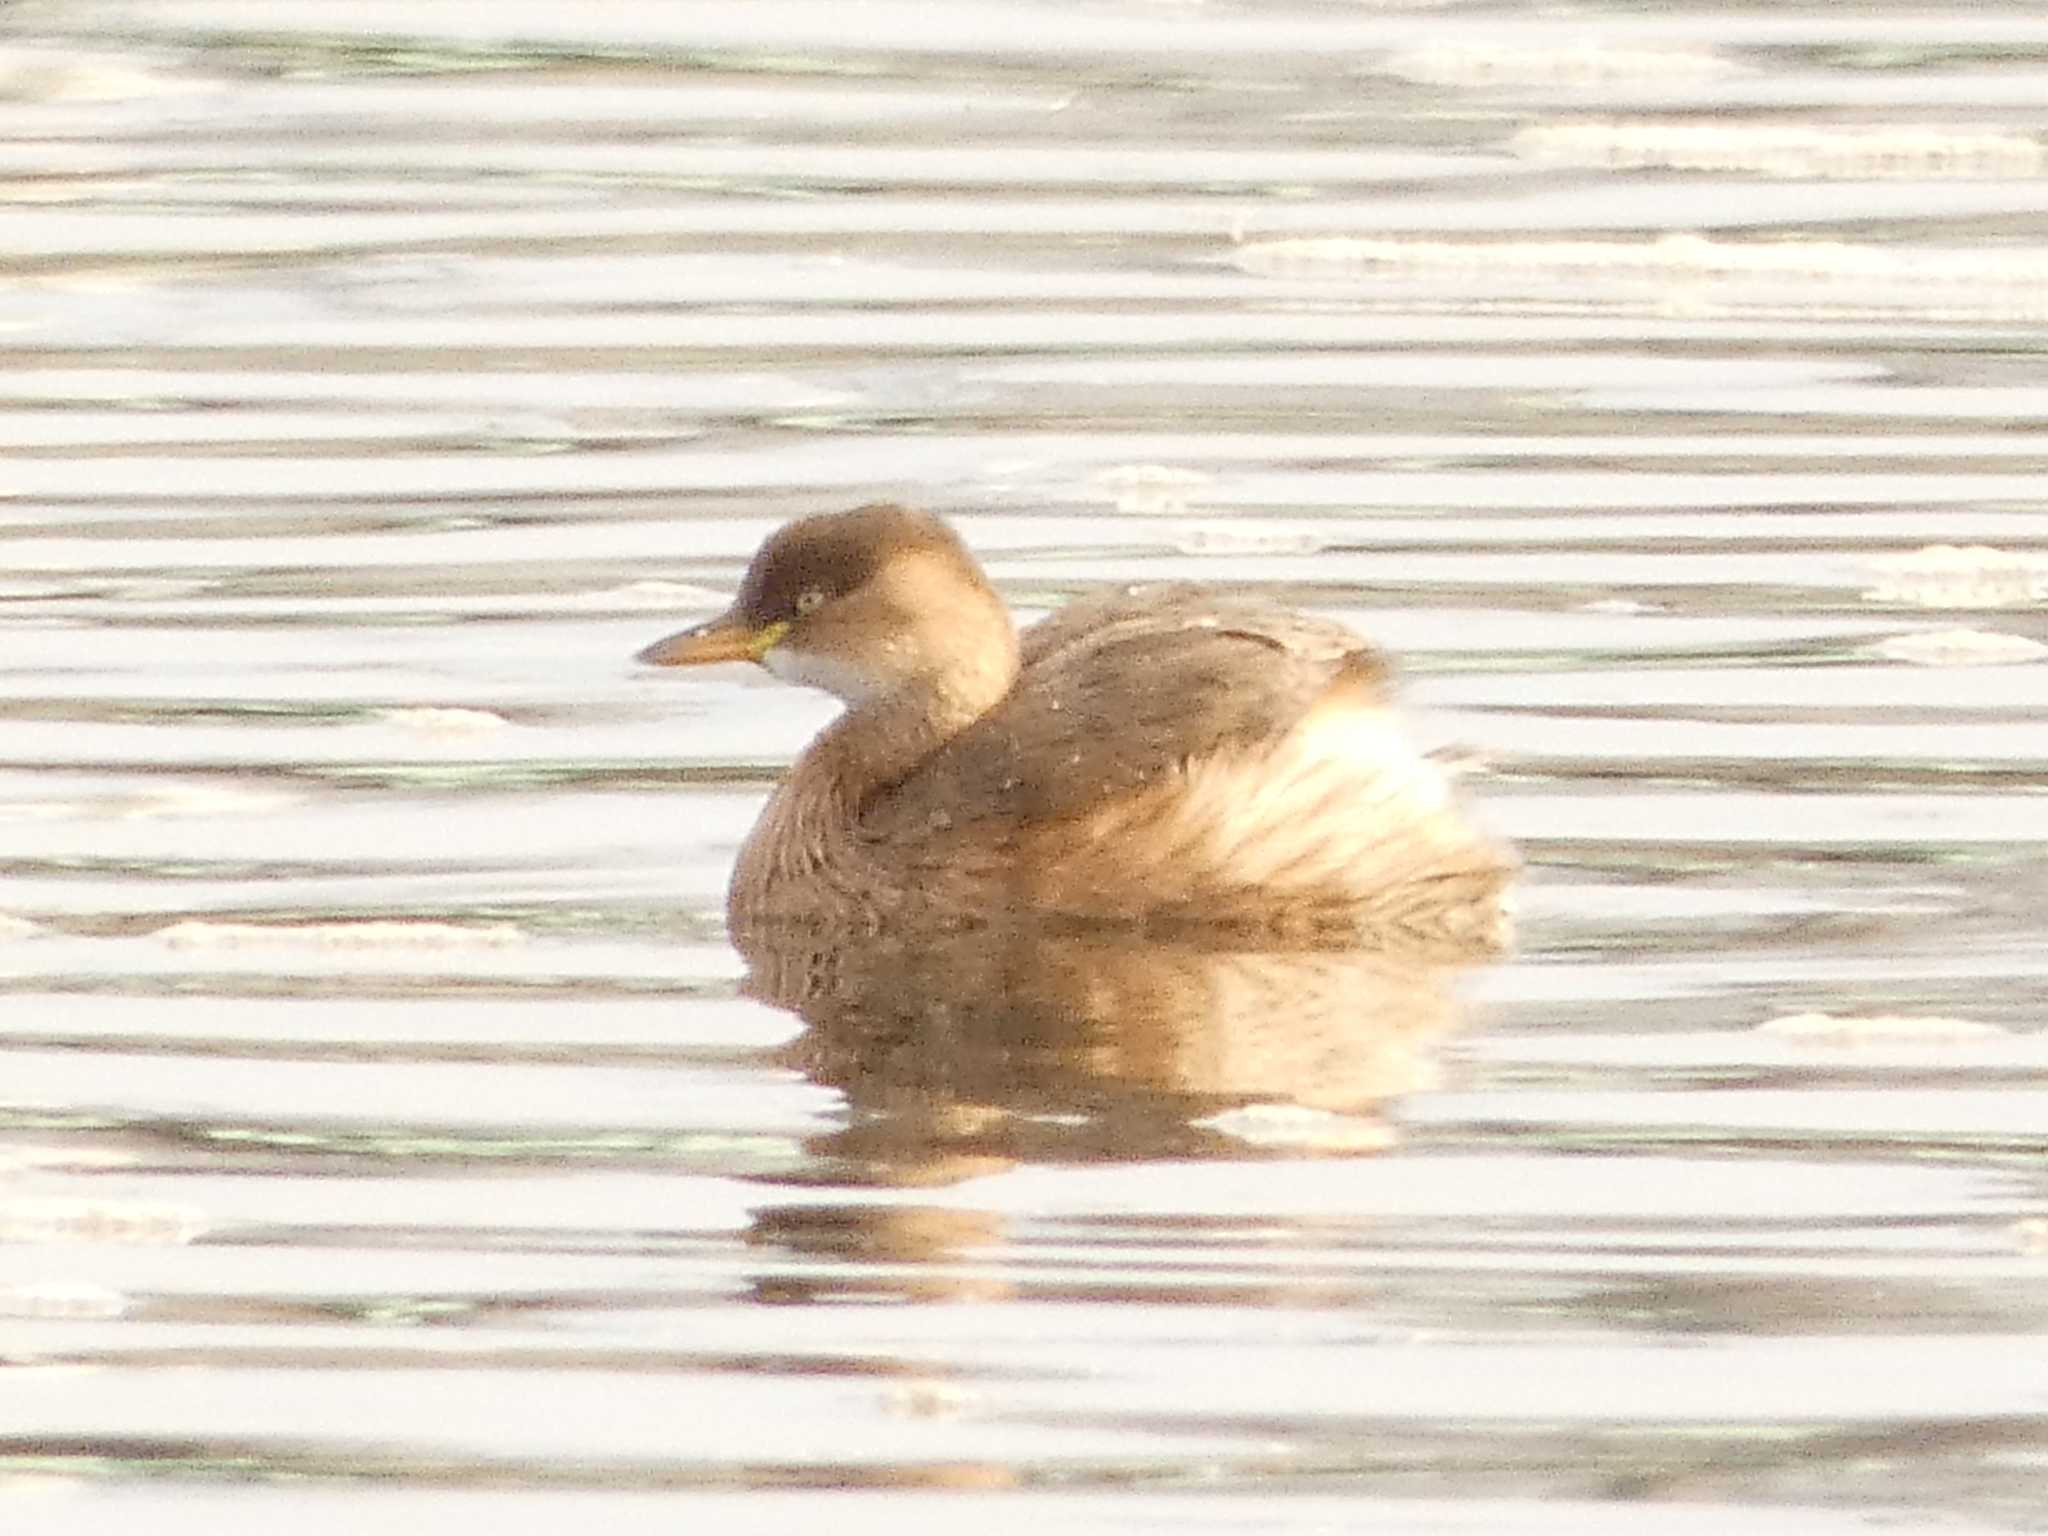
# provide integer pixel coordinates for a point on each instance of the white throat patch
(814, 671)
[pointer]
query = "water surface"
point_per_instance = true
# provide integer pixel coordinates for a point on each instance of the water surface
(384, 1135)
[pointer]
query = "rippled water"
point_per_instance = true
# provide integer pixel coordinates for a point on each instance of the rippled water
(384, 1134)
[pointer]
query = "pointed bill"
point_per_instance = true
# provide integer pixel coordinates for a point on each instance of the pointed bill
(724, 638)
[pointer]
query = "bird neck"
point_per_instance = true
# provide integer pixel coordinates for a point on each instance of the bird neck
(806, 836)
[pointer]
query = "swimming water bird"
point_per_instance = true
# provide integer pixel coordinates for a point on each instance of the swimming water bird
(1161, 758)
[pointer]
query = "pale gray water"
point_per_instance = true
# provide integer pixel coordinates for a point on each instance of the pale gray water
(382, 1135)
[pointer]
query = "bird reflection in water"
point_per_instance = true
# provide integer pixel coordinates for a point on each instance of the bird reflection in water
(960, 1052)
(964, 1054)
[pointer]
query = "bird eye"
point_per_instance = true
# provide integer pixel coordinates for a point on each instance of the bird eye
(809, 599)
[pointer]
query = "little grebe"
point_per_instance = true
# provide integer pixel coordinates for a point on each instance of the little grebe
(1154, 756)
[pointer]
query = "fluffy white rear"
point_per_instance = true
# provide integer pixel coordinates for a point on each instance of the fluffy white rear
(1343, 822)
